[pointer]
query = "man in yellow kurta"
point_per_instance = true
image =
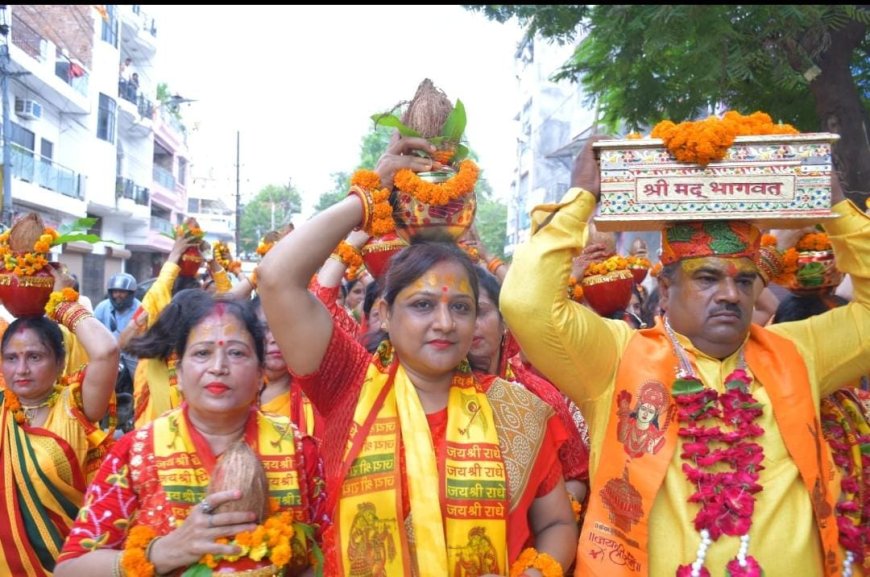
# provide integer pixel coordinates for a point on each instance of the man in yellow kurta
(763, 489)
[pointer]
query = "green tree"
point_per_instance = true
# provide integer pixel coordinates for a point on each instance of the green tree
(272, 208)
(806, 65)
(339, 191)
(373, 145)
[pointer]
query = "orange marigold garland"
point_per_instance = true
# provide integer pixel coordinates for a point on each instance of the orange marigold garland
(610, 264)
(271, 540)
(575, 290)
(134, 561)
(67, 295)
(263, 247)
(12, 403)
(28, 263)
(638, 262)
(377, 210)
(810, 242)
(224, 257)
(351, 257)
(531, 559)
(460, 184)
(705, 141)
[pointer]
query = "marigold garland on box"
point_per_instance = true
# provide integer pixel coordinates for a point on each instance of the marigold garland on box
(705, 141)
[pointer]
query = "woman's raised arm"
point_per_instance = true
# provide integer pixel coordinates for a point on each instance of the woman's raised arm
(300, 323)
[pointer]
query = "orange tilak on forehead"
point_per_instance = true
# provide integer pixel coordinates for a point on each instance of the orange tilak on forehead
(443, 283)
(217, 327)
(732, 267)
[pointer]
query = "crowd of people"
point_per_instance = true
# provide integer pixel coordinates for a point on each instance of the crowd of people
(452, 414)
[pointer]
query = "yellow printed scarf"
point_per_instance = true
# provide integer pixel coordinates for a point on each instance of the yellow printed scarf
(464, 529)
(183, 464)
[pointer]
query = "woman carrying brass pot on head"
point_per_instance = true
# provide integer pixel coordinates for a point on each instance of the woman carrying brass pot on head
(418, 447)
(51, 442)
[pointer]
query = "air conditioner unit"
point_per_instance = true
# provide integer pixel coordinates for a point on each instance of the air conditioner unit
(29, 109)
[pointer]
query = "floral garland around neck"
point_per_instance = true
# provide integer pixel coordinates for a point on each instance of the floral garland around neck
(849, 449)
(724, 465)
(25, 413)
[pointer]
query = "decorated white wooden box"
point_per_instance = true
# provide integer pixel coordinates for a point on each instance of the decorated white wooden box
(778, 181)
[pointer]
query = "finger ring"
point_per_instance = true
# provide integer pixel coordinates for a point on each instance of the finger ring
(210, 524)
(205, 507)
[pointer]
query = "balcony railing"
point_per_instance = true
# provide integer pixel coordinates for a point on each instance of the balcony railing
(164, 178)
(161, 224)
(43, 171)
(126, 188)
(35, 45)
(130, 93)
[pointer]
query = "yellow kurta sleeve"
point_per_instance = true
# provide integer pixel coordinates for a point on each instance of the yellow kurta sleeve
(836, 344)
(160, 293)
(154, 373)
(573, 346)
(76, 356)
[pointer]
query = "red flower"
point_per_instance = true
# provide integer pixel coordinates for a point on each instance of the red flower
(752, 568)
(686, 571)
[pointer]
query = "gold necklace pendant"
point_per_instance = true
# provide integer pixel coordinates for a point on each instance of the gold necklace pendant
(30, 411)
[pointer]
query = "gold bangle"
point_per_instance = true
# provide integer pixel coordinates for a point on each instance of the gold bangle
(365, 199)
(148, 550)
(117, 570)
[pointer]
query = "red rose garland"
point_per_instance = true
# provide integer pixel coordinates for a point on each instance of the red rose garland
(726, 495)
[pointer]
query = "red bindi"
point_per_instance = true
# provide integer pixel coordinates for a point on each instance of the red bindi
(220, 342)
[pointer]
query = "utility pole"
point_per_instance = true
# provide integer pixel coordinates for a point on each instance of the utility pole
(7, 150)
(5, 73)
(238, 201)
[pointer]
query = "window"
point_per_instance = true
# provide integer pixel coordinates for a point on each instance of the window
(193, 205)
(46, 148)
(22, 137)
(110, 25)
(106, 119)
(182, 171)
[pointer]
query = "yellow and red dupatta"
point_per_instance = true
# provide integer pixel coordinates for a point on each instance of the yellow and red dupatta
(43, 487)
(466, 524)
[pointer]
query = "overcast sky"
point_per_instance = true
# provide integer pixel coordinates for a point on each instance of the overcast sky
(299, 83)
